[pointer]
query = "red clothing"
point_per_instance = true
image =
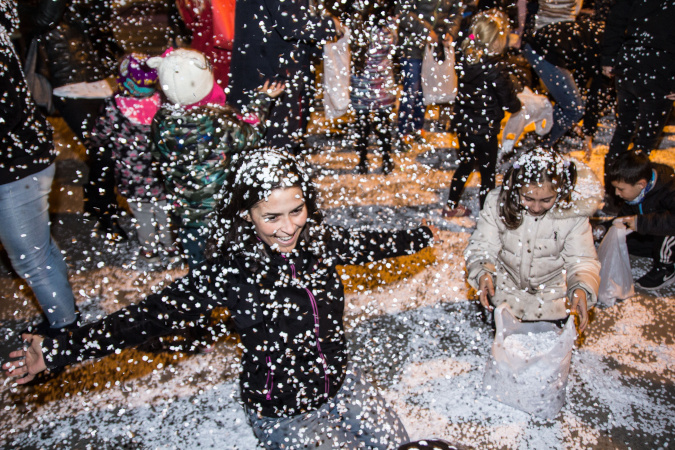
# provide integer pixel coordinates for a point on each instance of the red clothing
(216, 47)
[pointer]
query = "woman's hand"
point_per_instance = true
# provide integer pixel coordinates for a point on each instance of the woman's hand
(434, 230)
(580, 308)
(486, 290)
(28, 362)
(272, 89)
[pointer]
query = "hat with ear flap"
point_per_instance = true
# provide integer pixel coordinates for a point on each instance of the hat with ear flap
(184, 75)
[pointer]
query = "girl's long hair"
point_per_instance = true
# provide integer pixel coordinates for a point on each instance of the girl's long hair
(252, 178)
(537, 166)
(488, 36)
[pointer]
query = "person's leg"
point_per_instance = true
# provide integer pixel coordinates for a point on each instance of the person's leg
(361, 133)
(356, 417)
(569, 105)
(163, 221)
(411, 109)
(467, 161)
(652, 117)
(25, 235)
(627, 109)
(486, 158)
(383, 131)
(145, 226)
(362, 410)
(662, 251)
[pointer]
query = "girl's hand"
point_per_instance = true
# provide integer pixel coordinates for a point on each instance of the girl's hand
(486, 290)
(28, 362)
(272, 89)
(580, 308)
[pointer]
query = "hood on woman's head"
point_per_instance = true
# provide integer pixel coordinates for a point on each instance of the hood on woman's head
(184, 75)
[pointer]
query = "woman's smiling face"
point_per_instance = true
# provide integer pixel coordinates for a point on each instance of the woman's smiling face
(279, 220)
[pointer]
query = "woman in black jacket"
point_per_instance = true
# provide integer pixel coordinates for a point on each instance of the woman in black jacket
(273, 265)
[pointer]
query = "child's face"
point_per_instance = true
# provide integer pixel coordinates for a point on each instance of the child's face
(628, 192)
(279, 220)
(538, 199)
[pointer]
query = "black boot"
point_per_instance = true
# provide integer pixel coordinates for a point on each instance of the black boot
(387, 164)
(109, 227)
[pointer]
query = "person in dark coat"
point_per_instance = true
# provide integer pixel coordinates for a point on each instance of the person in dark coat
(26, 172)
(639, 51)
(273, 41)
(484, 91)
(273, 264)
(647, 191)
(80, 48)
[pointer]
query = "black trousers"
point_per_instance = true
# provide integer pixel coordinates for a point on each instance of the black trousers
(80, 115)
(640, 117)
(476, 152)
(379, 123)
(660, 248)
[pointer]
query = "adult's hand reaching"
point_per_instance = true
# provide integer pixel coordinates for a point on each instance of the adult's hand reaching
(27, 362)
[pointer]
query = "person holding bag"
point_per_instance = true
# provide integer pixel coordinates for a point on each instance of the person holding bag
(421, 22)
(533, 247)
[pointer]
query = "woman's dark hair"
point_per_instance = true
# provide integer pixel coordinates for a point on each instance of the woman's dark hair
(537, 166)
(253, 176)
(630, 167)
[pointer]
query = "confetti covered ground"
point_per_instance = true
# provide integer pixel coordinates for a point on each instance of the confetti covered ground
(412, 324)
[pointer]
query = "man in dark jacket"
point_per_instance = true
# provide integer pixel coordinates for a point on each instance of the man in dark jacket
(26, 171)
(273, 40)
(639, 50)
(648, 192)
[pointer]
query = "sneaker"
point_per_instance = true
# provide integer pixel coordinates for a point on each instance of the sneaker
(660, 276)
(109, 227)
(460, 211)
(151, 257)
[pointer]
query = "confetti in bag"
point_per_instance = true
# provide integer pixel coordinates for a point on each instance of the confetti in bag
(336, 71)
(439, 80)
(529, 363)
(616, 279)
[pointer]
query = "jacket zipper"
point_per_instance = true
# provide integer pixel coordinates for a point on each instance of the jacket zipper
(315, 311)
(269, 385)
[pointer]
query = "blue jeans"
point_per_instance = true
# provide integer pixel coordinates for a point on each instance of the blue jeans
(411, 110)
(357, 417)
(25, 234)
(569, 106)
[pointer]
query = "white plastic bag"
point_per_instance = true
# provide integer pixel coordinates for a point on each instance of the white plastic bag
(336, 73)
(616, 278)
(439, 80)
(532, 381)
(535, 109)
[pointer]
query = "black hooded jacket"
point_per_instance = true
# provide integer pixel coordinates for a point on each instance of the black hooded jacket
(484, 91)
(25, 135)
(287, 308)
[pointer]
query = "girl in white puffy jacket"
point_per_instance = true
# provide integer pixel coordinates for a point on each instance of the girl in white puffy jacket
(533, 247)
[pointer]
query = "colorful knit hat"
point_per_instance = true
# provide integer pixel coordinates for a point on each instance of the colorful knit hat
(136, 77)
